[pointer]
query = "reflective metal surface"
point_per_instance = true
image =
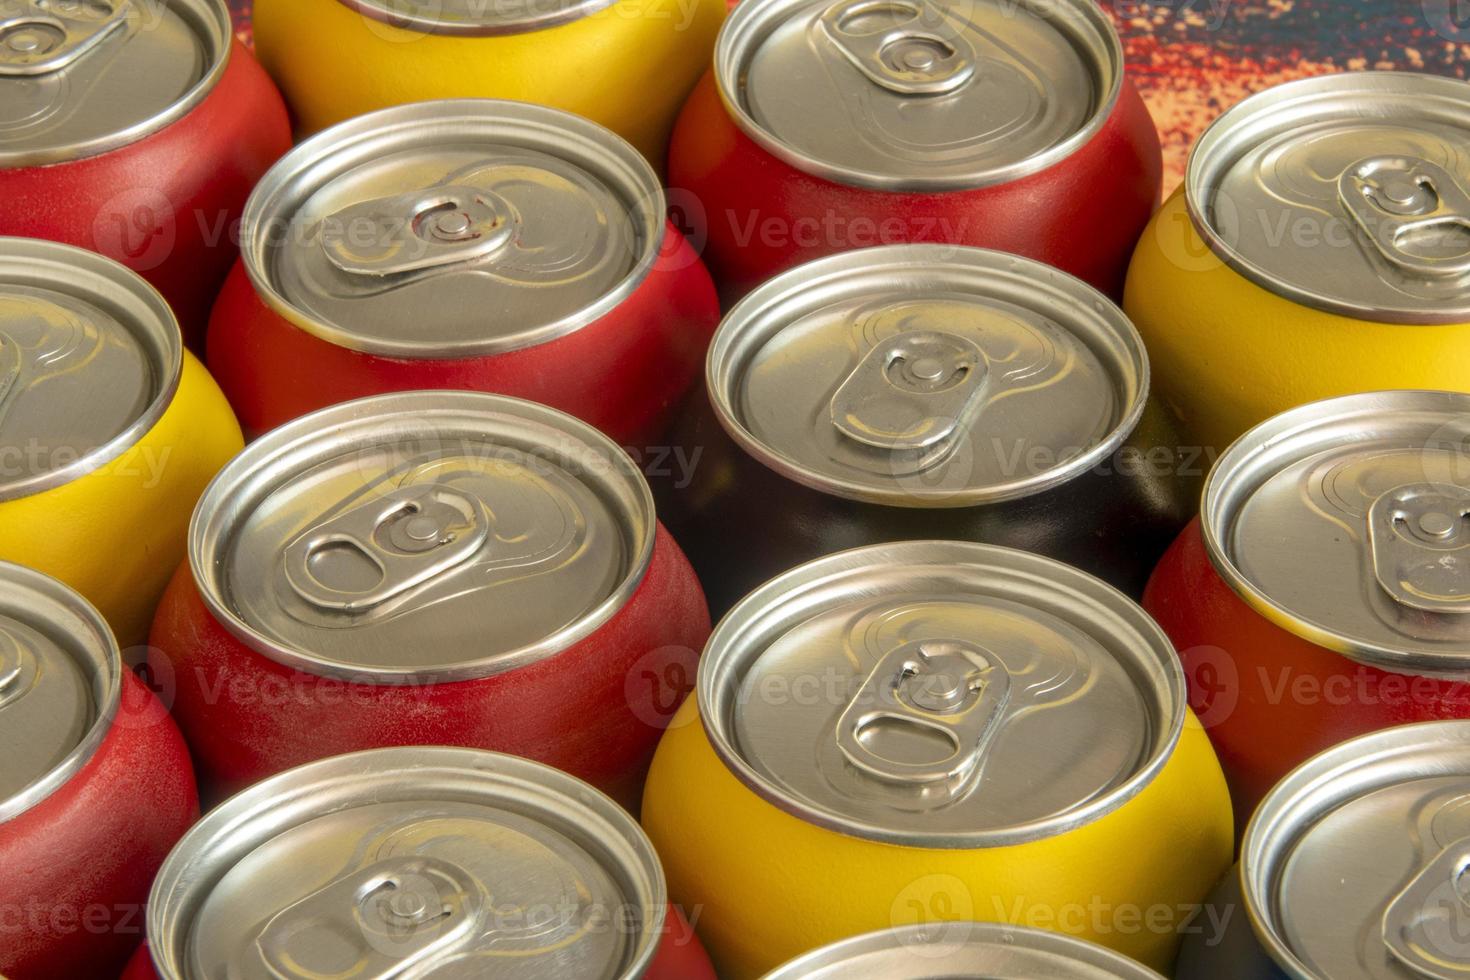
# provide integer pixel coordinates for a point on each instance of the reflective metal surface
(476, 18)
(941, 694)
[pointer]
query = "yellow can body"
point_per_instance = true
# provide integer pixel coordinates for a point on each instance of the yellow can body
(767, 886)
(628, 66)
(117, 533)
(1228, 354)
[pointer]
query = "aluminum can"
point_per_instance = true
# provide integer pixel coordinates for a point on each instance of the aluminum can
(109, 429)
(921, 391)
(96, 786)
(429, 568)
(626, 65)
(825, 126)
(932, 731)
(962, 949)
(135, 128)
(471, 244)
(427, 861)
(1324, 592)
(1318, 220)
(1350, 868)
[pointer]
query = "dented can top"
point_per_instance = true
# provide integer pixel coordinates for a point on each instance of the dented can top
(1347, 193)
(1353, 866)
(456, 228)
(425, 861)
(422, 536)
(919, 94)
(60, 684)
(1347, 522)
(941, 694)
(962, 949)
(90, 358)
(476, 18)
(928, 376)
(82, 77)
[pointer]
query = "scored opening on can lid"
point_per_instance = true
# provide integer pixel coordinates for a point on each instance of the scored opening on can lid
(919, 94)
(476, 18)
(963, 949)
(928, 376)
(81, 77)
(450, 861)
(60, 685)
(422, 536)
(1353, 866)
(90, 358)
(941, 694)
(1347, 522)
(1347, 193)
(457, 228)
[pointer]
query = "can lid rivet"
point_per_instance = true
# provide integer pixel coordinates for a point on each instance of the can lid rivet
(918, 59)
(1436, 524)
(451, 224)
(407, 904)
(25, 41)
(422, 528)
(928, 368)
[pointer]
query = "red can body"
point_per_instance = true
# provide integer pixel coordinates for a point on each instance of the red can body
(168, 205)
(757, 215)
(78, 865)
(1269, 698)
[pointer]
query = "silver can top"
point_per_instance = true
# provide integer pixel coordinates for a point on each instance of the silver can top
(1348, 193)
(476, 18)
(928, 376)
(60, 683)
(941, 694)
(422, 536)
(919, 94)
(453, 229)
(1347, 522)
(444, 862)
(81, 77)
(90, 357)
(1353, 867)
(962, 949)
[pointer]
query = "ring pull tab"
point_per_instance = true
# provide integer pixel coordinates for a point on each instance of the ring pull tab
(45, 36)
(1419, 536)
(61, 348)
(1427, 925)
(376, 923)
(895, 45)
(382, 549)
(18, 669)
(420, 230)
(1416, 214)
(926, 715)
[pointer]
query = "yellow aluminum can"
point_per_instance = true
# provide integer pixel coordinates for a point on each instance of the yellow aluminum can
(627, 65)
(1320, 247)
(109, 429)
(936, 731)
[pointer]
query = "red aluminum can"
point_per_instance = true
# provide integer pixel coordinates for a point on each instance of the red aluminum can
(136, 130)
(95, 789)
(1324, 592)
(825, 126)
(429, 568)
(466, 244)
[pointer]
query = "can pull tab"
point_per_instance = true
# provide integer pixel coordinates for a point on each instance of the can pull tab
(18, 669)
(926, 714)
(59, 349)
(896, 44)
(1427, 925)
(381, 549)
(1420, 539)
(420, 230)
(45, 36)
(1414, 212)
(375, 923)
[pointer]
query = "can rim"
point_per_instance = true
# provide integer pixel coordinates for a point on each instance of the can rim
(211, 20)
(382, 11)
(1260, 452)
(145, 311)
(1341, 773)
(258, 814)
(1216, 148)
(106, 670)
(765, 311)
(749, 22)
(272, 460)
(324, 156)
(787, 597)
